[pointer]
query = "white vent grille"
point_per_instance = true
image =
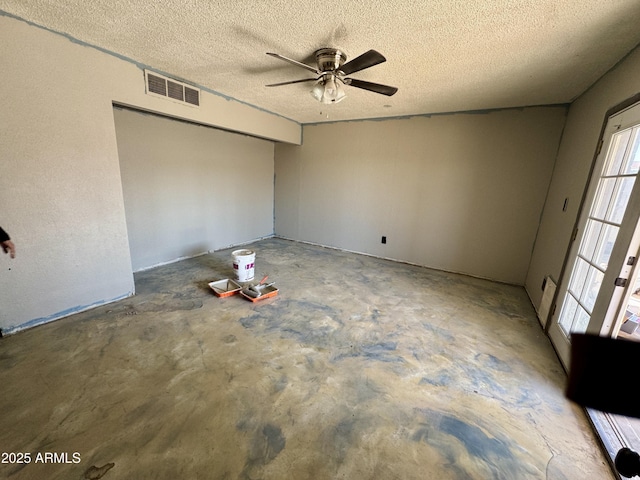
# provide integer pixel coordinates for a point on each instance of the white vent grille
(159, 85)
(545, 304)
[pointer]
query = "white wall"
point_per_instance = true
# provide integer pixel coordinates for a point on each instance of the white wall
(461, 192)
(60, 189)
(190, 189)
(575, 157)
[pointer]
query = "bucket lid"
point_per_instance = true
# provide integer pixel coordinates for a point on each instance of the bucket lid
(243, 253)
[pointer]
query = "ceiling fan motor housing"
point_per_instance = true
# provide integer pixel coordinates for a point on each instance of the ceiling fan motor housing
(330, 59)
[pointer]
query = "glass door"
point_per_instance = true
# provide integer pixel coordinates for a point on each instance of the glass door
(588, 297)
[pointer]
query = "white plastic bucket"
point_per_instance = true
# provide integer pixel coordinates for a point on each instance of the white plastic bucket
(244, 264)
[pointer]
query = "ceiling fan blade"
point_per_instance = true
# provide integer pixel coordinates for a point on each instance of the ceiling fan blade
(366, 60)
(372, 87)
(292, 81)
(294, 62)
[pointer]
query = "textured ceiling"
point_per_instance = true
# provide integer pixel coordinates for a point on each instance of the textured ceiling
(443, 55)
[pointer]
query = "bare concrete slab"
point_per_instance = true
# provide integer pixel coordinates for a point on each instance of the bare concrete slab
(360, 368)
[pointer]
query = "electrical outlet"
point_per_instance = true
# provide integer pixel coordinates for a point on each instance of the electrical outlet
(384, 239)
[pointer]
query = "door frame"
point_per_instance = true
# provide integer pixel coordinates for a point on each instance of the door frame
(566, 267)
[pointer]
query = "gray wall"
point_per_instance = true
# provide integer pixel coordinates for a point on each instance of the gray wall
(461, 192)
(190, 189)
(61, 193)
(571, 173)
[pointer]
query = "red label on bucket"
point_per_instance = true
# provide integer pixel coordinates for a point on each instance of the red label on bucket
(248, 266)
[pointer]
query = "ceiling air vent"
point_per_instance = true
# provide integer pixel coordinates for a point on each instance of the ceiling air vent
(159, 85)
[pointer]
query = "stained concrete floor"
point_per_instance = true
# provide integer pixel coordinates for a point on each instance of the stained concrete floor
(360, 368)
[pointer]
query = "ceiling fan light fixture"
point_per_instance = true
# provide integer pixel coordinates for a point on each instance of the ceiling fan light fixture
(317, 91)
(328, 90)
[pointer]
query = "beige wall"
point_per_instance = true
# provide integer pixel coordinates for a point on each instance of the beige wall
(190, 189)
(461, 192)
(575, 157)
(60, 188)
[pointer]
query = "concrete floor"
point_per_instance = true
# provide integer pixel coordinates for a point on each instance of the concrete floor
(361, 368)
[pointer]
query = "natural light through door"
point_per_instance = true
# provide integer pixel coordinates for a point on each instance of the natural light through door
(588, 294)
(603, 223)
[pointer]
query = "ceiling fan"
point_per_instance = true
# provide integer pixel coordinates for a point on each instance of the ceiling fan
(331, 73)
